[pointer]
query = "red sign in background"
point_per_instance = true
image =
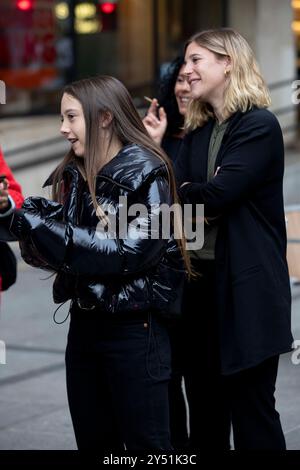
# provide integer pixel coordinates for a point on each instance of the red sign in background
(27, 44)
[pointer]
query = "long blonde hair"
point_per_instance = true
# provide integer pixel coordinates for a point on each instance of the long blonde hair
(99, 95)
(245, 87)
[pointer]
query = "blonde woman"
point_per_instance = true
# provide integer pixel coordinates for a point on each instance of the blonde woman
(232, 161)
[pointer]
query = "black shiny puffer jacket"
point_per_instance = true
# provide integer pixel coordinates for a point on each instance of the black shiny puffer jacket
(103, 270)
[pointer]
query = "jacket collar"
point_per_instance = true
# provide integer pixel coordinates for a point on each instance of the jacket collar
(132, 166)
(70, 169)
(129, 168)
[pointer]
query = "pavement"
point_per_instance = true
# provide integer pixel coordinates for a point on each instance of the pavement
(33, 403)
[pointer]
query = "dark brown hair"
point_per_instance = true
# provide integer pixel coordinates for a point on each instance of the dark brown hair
(98, 96)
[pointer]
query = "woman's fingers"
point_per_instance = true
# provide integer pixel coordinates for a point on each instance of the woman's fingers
(3, 202)
(4, 185)
(151, 121)
(162, 119)
(3, 194)
(162, 114)
(156, 125)
(153, 107)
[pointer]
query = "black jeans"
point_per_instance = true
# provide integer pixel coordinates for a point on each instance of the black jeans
(118, 372)
(244, 400)
(178, 411)
(209, 412)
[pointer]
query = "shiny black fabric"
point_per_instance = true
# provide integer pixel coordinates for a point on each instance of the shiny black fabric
(113, 273)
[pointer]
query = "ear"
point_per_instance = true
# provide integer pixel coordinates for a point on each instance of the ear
(105, 119)
(227, 63)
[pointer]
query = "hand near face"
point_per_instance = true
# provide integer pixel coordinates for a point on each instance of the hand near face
(155, 122)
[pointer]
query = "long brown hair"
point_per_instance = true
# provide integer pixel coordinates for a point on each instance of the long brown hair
(98, 96)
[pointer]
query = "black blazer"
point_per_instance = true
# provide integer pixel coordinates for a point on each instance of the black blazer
(253, 289)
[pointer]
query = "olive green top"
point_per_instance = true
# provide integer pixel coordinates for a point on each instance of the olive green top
(210, 231)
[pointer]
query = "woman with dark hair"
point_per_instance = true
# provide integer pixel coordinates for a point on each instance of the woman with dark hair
(103, 237)
(167, 129)
(232, 161)
(165, 121)
(173, 97)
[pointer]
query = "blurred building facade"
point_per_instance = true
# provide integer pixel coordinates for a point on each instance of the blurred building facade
(46, 43)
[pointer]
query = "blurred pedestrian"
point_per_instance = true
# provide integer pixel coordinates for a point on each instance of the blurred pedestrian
(11, 193)
(232, 161)
(122, 287)
(10, 197)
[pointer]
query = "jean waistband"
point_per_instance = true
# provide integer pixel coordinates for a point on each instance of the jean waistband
(95, 311)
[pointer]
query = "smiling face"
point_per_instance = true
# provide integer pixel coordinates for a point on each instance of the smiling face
(73, 123)
(206, 73)
(182, 91)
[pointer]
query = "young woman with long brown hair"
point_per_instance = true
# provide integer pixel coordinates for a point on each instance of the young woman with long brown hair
(123, 276)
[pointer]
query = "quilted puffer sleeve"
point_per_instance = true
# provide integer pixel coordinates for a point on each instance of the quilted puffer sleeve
(91, 251)
(46, 209)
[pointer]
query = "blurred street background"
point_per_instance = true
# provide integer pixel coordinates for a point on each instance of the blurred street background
(43, 45)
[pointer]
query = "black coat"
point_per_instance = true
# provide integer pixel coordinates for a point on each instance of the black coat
(253, 289)
(114, 273)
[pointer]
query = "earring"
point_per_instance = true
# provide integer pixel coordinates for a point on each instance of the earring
(226, 72)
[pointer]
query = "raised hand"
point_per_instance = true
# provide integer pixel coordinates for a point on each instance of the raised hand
(156, 121)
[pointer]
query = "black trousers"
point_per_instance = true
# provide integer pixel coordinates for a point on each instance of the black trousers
(118, 372)
(255, 421)
(178, 410)
(244, 400)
